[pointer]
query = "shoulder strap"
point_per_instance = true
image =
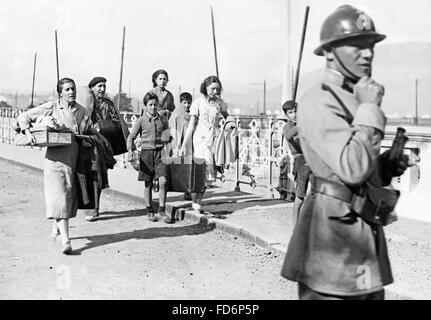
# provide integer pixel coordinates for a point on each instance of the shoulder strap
(349, 115)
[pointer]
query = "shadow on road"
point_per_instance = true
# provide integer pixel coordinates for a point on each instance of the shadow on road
(109, 215)
(143, 234)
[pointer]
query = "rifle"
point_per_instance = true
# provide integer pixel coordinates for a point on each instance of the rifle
(398, 144)
(304, 30)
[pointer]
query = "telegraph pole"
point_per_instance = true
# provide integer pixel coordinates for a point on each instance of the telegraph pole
(56, 56)
(34, 75)
(121, 69)
(264, 95)
(416, 102)
(214, 42)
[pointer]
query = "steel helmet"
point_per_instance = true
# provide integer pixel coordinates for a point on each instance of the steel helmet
(344, 23)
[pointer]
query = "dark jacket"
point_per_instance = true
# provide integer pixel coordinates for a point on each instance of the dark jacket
(111, 123)
(92, 170)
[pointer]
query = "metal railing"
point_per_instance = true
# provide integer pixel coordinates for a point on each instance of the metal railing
(260, 148)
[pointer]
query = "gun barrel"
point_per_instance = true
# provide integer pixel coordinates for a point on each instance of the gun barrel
(398, 144)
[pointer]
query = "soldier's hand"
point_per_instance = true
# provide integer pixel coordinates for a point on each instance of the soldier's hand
(396, 167)
(402, 164)
(369, 91)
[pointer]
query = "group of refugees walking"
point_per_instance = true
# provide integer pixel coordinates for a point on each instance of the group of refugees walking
(338, 248)
(76, 173)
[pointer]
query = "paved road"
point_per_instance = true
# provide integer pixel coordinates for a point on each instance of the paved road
(123, 256)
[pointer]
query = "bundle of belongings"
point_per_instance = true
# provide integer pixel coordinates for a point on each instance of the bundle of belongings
(226, 144)
(92, 169)
(45, 136)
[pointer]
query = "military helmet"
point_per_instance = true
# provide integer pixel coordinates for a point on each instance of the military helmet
(344, 23)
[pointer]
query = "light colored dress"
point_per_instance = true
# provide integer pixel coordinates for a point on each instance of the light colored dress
(60, 162)
(208, 114)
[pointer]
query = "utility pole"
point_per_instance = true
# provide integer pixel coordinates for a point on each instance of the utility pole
(34, 74)
(214, 42)
(416, 102)
(121, 69)
(56, 56)
(264, 95)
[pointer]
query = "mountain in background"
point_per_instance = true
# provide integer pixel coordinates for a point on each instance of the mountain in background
(396, 66)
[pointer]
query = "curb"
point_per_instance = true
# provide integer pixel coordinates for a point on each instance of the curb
(255, 238)
(179, 213)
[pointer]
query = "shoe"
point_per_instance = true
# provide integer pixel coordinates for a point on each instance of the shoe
(91, 218)
(187, 196)
(156, 217)
(67, 248)
(150, 215)
(168, 220)
(55, 235)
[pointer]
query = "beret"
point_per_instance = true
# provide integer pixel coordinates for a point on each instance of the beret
(95, 81)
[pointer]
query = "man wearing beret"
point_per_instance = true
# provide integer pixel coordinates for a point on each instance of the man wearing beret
(338, 248)
(107, 120)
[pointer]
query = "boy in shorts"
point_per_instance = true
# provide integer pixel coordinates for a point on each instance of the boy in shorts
(154, 131)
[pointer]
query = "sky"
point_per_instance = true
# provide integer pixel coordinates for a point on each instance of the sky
(176, 35)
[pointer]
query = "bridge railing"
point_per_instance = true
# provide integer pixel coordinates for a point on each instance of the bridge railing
(261, 147)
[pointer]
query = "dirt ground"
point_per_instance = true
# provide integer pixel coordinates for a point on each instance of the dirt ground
(123, 256)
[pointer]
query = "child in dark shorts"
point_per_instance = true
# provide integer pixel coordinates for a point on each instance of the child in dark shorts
(154, 131)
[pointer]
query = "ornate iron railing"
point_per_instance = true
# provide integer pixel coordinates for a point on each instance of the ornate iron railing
(259, 140)
(260, 144)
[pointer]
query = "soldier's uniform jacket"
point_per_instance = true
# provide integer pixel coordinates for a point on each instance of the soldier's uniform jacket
(332, 250)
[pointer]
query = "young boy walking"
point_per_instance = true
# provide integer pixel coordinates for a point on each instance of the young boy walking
(301, 171)
(154, 131)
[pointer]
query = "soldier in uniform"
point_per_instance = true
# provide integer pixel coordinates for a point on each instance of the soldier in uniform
(338, 248)
(107, 120)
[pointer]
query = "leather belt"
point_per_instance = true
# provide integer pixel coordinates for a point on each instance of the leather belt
(331, 189)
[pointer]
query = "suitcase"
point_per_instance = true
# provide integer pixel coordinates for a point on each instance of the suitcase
(186, 174)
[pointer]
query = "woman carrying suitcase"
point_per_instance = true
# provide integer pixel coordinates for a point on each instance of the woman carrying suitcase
(205, 113)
